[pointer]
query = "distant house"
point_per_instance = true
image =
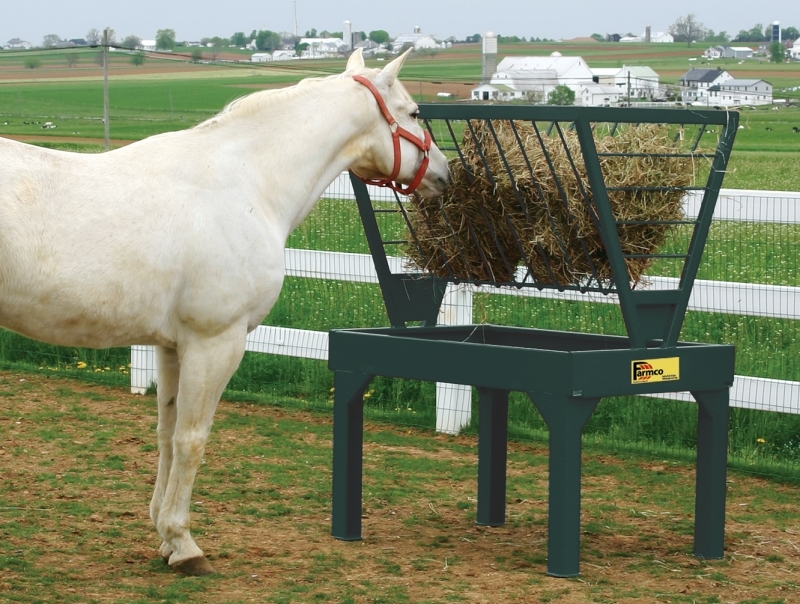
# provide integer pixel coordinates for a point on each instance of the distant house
(696, 82)
(284, 55)
(634, 80)
(147, 45)
(495, 92)
(323, 48)
(734, 92)
(16, 43)
(595, 95)
(368, 47)
(260, 57)
(715, 52)
(738, 52)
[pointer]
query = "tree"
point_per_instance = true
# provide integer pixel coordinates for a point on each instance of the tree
(268, 40)
(754, 34)
(50, 40)
(239, 39)
(132, 42)
(137, 59)
(165, 39)
(790, 33)
(312, 33)
(721, 37)
(72, 59)
(687, 29)
(32, 62)
(777, 53)
(94, 37)
(474, 38)
(197, 55)
(379, 36)
(561, 95)
(598, 37)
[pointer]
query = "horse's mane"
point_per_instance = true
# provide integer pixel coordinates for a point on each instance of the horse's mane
(254, 102)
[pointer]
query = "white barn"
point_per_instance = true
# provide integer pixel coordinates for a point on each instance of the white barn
(260, 57)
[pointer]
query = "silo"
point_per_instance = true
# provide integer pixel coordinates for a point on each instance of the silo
(489, 56)
(776, 32)
(347, 34)
(647, 34)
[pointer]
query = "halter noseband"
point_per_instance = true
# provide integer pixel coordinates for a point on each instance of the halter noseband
(397, 131)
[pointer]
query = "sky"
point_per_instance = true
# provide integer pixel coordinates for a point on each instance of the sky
(31, 20)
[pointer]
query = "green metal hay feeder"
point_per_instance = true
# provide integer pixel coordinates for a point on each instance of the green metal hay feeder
(565, 374)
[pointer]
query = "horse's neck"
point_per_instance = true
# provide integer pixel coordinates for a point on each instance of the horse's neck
(298, 143)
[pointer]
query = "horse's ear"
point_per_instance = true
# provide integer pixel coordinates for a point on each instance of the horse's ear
(356, 61)
(391, 71)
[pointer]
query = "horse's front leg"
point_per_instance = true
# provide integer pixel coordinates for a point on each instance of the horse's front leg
(167, 373)
(206, 365)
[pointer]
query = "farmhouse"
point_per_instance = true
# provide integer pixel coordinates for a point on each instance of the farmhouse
(696, 82)
(15, 43)
(323, 48)
(740, 92)
(260, 57)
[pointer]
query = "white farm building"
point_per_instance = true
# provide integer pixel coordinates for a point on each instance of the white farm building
(533, 78)
(740, 92)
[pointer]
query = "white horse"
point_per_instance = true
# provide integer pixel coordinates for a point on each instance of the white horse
(178, 241)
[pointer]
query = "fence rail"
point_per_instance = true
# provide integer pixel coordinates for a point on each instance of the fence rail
(453, 401)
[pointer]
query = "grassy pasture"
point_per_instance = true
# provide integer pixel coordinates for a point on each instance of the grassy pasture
(79, 463)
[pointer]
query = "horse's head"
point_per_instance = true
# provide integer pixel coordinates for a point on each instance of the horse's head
(399, 151)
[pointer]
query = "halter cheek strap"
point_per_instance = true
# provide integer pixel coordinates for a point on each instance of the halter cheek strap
(398, 132)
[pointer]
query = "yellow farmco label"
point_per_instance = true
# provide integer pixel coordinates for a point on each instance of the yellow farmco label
(655, 370)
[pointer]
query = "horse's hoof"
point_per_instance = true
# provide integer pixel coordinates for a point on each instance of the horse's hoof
(194, 567)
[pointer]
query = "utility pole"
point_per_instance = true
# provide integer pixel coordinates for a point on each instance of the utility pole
(629, 88)
(106, 130)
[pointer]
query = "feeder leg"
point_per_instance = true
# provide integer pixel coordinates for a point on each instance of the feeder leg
(565, 417)
(492, 454)
(712, 459)
(348, 437)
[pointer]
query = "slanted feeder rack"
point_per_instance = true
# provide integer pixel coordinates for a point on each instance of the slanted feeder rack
(513, 155)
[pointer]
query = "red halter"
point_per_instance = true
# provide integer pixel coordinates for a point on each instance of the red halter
(397, 132)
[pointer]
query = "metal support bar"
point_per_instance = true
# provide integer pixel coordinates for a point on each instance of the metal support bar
(565, 417)
(712, 458)
(492, 455)
(348, 437)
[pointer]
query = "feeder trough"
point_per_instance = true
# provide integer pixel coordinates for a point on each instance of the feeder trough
(566, 198)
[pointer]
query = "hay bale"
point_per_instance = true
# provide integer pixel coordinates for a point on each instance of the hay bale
(528, 206)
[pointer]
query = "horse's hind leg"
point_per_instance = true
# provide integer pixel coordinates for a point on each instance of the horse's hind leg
(167, 372)
(206, 365)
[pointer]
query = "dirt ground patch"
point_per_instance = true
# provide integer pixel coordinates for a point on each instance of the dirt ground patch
(78, 462)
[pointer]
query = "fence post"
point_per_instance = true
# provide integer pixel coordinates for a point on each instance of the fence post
(143, 368)
(454, 401)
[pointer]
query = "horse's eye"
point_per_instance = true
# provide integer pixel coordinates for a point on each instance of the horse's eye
(415, 114)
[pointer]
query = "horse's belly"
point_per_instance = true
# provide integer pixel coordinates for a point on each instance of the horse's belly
(89, 322)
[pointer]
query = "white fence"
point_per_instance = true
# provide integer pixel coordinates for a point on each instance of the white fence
(453, 402)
